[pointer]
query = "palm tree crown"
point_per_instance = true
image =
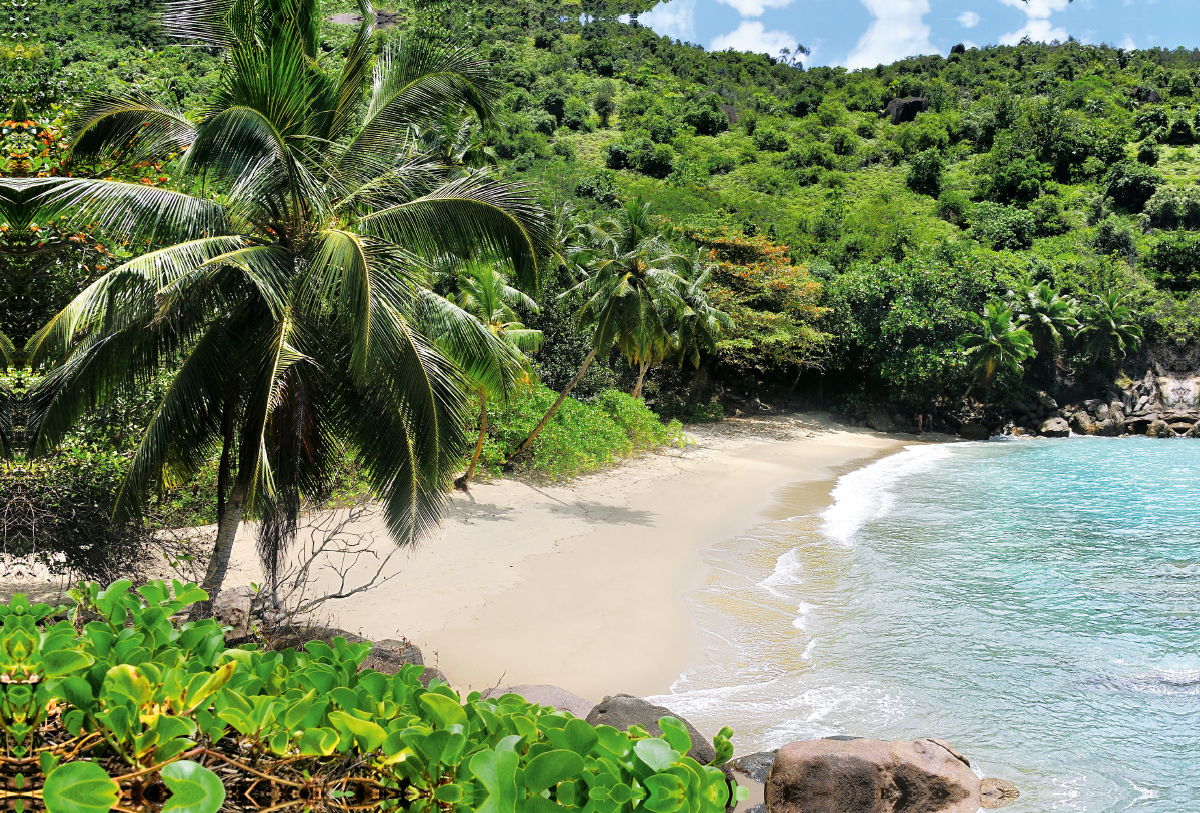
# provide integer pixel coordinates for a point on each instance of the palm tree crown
(998, 343)
(1109, 327)
(289, 288)
(1048, 316)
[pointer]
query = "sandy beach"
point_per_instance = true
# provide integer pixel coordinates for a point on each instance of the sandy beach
(582, 584)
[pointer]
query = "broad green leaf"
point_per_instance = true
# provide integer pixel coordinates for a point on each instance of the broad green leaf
(657, 754)
(194, 788)
(450, 794)
(497, 772)
(547, 770)
(444, 711)
(211, 686)
(676, 733)
(77, 692)
(666, 793)
(368, 735)
(80, 787)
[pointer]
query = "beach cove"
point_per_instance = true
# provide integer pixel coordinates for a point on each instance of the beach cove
(583, 584)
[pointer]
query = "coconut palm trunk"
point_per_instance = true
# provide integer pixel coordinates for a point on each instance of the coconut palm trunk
(637, 388)
(461, 482)
(587, 362)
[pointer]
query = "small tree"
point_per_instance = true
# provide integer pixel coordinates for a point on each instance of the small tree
(1109, 328)
(998, 343)
(605, 104)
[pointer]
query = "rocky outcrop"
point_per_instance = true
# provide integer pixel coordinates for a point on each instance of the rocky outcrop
(232, 607)
(623, 711)
(996, 793)
(1159, 429)
(879, 420)
(854, 775)
(755, 766)
(1055, 428)
(961, 48)
(545, 695)
(973, 430)
(903, 110)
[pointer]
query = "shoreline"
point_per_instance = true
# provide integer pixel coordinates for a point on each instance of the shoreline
(584, 585)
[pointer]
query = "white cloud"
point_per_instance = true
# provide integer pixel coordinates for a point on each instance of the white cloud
(899, 30)
(675, 19)
(1037, 21)
(751, 36)
(755, 8)
(968, 19)
(1128, 44)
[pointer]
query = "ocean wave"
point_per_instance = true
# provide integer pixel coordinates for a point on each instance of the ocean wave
(867, 493)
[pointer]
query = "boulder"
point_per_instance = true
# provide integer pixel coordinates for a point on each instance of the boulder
(880, 420)
(1107, 428)
(961, 48)
(389, 656)
(1102, 412)
(903, 110)
(545, 695)
(755, 766)
(973, 430)
(997, 793)
(1194, 432)
(855, 775)
(1159, 429)
(1055, 428)
(623, 711)
(430, 674)
(232, 608)
(1047, 403)
(1081, 423)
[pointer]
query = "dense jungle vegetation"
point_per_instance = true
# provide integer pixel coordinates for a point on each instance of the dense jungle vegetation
(702, 232)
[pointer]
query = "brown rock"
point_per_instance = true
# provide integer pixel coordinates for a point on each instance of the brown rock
(1055, 428)
(625, 710)
(997, 793)
(1159, 429)
(545, 695)
(870, 776)
(973, 430)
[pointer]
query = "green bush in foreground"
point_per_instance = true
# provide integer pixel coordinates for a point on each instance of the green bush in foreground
(139, 712)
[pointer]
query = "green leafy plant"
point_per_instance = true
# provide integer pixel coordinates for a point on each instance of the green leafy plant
(118, 705)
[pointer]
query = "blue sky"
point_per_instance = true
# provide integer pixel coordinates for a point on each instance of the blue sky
(864, 33)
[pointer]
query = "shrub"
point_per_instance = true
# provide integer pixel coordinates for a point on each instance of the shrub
(1150, 119)
(925, 173)
(1148, 152)
(1181, 128)
(770, 139)
(720, 164)
(706, 413)
(1173, 208)
(604, 104)
(1130, 185)
(151, 709)
(705, 116)
(1173, 260)
(1049, 216)
(953, 207)
(809, 154)
(600, 186)
(843, 141)
(578, 115)
(1002, 227)
(1115, 236)
(563, 148)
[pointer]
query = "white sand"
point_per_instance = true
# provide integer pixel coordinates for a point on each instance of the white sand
(582, 585)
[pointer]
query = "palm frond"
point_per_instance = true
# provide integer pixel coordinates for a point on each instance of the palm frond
(142, 276)
(128, 128)
(351, 84)
(470, 217)
(185, 427)
(413, 82)
(138, 212)
(484, 358)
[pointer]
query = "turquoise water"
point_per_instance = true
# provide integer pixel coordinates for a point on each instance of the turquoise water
(1036, 603)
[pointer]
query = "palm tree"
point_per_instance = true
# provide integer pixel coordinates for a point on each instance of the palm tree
(7, 358)
(1108, 327)
(999, 343)
(1048, 316)
(286, 293)
(484, 293)
(695, 328)
(630, 279)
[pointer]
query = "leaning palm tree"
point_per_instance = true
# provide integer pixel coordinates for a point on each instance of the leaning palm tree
(483, 291)
(1048, 316)
(285, 293)
(998, 343)
(630, 279)
(1108, 327)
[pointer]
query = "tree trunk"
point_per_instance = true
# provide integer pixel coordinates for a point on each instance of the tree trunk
(637, 388)
(218, 563)
(537, 429)
(461, 482)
